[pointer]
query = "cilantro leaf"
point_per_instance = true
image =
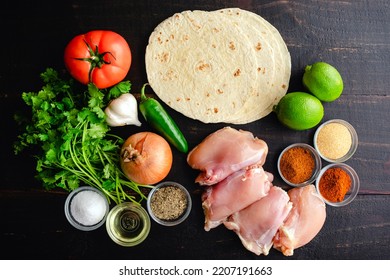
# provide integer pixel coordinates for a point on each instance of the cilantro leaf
(68, 127)
(119, 89)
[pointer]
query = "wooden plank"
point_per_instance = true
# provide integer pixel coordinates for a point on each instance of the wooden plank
(38, 229)
(352, 35)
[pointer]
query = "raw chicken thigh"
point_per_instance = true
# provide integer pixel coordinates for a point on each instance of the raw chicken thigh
(239, 194)
(304, 221)
(234, 193)
(225, 152)
(257, 224)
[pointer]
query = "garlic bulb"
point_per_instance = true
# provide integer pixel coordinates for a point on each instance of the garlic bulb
(122, 111)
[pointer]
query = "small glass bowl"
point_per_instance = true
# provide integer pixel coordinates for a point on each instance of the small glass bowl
(317, 164)
(353, 191)
(354, 139)
(72, 217)
(128, 224)
(173, 221)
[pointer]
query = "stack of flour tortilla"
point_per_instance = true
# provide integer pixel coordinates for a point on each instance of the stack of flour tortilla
(228, 65)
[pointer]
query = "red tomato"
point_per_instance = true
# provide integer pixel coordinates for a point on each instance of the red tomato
(100, 57)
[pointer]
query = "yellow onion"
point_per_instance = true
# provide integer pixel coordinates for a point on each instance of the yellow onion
(146, 158)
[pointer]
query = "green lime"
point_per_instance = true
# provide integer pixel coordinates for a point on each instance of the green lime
(323, 81)
(299, 110)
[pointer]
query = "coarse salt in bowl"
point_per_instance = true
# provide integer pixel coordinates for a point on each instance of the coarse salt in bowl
(86, 208)
(336, 140)
(169, 203)
(353, 190)
(315, 171)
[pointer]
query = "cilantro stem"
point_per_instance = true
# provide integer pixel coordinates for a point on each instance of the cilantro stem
(68, 127)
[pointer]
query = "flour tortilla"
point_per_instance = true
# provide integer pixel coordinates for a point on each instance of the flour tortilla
(276, 87)
(227, 65)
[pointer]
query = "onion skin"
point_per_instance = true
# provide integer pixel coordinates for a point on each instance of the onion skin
(146, 158)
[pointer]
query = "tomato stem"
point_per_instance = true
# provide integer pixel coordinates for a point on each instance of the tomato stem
(96, 59)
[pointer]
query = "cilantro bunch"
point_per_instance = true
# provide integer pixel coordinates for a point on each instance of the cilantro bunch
(72, 140)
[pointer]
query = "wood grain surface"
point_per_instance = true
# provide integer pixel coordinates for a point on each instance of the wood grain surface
(352, 35)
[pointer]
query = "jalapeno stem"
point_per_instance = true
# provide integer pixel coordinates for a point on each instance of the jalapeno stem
(143, 96)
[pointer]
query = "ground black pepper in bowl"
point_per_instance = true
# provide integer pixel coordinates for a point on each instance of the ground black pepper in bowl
(169, 203)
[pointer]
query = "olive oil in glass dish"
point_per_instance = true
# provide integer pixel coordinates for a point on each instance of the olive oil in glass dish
(128, 224)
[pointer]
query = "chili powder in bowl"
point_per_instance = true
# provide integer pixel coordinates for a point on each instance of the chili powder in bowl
(299, 164)
(338, 184)
(169, 203)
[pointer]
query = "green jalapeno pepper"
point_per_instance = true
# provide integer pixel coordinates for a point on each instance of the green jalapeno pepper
(157, 117)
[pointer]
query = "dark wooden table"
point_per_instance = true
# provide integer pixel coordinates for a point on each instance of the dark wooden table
(352, 35)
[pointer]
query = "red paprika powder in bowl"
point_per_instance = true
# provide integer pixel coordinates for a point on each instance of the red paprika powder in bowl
(338, 184)
(299, 164)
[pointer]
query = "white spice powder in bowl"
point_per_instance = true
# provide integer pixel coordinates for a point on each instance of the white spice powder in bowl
(336, 140)
(86, 208)
(169, 203)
